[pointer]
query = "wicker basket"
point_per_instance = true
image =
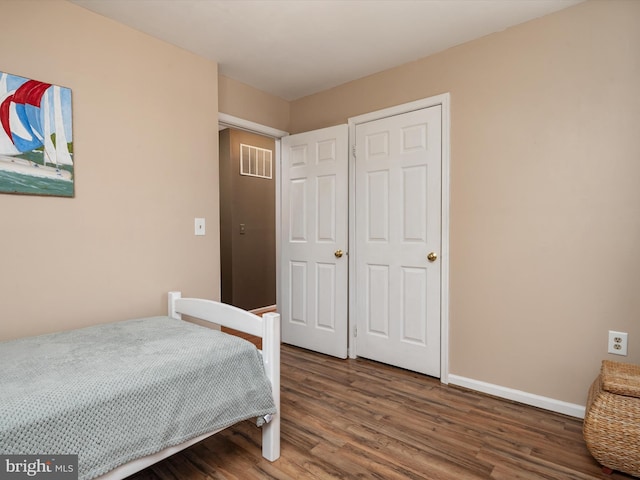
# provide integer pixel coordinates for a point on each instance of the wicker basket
(612, 421)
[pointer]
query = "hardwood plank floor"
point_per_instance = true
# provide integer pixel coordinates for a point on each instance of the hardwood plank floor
(361, 419)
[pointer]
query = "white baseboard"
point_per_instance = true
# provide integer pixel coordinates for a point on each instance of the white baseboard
(532, 399)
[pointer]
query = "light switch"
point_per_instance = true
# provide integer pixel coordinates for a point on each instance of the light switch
(200, 227)
(243, 229)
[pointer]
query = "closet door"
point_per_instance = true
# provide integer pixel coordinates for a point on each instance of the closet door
(398, 163)
(314, 216)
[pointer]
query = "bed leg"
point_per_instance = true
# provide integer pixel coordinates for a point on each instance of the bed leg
(271, 357)
(271, 439)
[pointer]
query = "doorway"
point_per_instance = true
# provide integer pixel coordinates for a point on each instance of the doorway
(247, 220)
(350, 253)
(226, 121)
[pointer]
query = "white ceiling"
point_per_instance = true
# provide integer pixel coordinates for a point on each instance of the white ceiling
(293, 48)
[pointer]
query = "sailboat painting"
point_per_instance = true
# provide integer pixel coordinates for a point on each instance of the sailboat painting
(36, 141)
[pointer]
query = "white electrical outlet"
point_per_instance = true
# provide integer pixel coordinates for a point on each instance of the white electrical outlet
(618, 343)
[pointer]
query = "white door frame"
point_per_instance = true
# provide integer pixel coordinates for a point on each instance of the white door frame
(444, 101)
(230, 121)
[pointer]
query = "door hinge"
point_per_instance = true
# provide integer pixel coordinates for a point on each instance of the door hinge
(355, 332)
(353, 150)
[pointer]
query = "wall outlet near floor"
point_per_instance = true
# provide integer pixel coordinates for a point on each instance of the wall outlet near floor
(618, 342)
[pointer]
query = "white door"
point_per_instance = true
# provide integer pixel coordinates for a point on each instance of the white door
(313, 265)
(398, 239)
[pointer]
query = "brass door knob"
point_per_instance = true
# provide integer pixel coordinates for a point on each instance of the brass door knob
(432, 257)
(338, 253)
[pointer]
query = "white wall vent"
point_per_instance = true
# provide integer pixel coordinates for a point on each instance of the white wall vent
(255, 161)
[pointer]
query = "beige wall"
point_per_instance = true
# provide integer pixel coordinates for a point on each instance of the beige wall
(146, 163)
(545, 196)
(544, 207)
(245, 102)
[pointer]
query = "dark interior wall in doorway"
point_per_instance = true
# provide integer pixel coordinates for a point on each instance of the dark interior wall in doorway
(247, 260)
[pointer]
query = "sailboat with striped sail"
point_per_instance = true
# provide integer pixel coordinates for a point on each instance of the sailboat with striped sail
(31, 117)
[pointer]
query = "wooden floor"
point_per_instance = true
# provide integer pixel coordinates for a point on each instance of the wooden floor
(360, 419)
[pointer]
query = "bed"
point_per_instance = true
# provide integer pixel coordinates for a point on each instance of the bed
(126, 395)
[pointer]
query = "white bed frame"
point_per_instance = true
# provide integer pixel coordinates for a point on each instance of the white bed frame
(268, 328)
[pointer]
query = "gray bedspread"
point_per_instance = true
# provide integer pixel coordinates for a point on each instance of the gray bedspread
(116, 392)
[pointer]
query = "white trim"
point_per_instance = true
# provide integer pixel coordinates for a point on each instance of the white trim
(353, 304)
(278, 169)
(444, 219)
(443, 100)
(526, 398)
(249, 126)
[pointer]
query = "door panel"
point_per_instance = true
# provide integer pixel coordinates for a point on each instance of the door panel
(397, 224)
(378, 300)
(314, 225)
